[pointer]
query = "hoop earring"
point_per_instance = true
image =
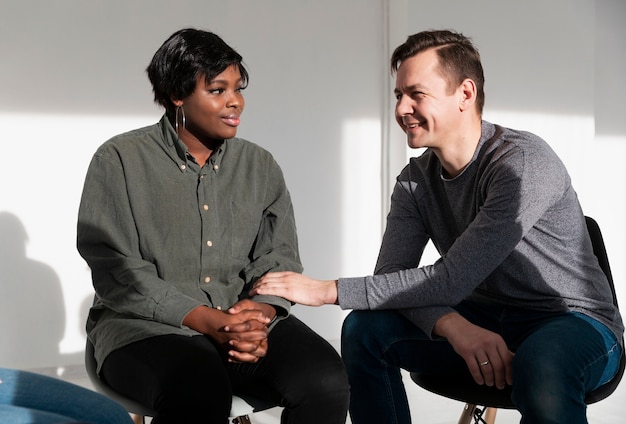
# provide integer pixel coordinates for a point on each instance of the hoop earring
(184, 120)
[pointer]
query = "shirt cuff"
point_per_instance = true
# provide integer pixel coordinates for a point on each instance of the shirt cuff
(172, 310)
(352, 293)
(425, 317)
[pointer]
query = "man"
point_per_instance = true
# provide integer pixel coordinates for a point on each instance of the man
(517, 297)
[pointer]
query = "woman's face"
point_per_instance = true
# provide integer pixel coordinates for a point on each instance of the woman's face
(213, 110)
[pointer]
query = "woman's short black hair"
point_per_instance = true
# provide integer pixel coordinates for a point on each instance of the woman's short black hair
(184, 56)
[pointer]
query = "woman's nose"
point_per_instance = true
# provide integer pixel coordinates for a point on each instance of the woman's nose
(235, 100)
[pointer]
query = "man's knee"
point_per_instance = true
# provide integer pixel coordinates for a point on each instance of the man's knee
(359, 333)
(354, 324)
(367, 335)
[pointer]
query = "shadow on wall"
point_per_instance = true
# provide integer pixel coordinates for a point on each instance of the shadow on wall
(32, 313)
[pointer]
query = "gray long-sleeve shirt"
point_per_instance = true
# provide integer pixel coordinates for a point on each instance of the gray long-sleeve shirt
(163, 235)
(522, 239)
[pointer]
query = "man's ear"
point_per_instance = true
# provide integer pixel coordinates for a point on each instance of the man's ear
(467, 91)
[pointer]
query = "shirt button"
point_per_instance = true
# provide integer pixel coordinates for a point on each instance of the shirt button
(209, 243)
(216, 167)
(183, 166)
(205, 207)
(219, 308)
(207, 279)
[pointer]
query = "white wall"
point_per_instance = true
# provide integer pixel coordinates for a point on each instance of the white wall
(72, 75)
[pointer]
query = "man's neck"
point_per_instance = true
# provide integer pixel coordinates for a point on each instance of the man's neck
(458, 153)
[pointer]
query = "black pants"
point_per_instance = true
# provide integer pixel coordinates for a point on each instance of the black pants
(188, 380)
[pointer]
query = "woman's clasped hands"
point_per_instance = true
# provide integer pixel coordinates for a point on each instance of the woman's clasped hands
(241, 330)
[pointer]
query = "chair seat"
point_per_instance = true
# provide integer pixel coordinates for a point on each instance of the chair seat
(465, 390)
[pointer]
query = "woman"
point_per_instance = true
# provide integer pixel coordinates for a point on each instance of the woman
(176, 222)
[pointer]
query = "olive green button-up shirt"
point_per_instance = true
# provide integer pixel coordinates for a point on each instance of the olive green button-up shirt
(163, 235)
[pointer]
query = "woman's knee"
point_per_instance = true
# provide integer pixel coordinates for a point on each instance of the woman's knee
(320, 393)
(171, 374)
(327, 384)
(193, 394)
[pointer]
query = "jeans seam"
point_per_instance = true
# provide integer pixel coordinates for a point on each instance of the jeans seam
(385, 363)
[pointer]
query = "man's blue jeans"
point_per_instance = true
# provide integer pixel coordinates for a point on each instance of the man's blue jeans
(26, 397)
(559, 357)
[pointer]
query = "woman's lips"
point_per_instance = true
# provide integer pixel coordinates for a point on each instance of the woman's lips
(232, 120)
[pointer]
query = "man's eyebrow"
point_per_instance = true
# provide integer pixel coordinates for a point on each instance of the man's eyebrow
(414, 87)
(410, 88)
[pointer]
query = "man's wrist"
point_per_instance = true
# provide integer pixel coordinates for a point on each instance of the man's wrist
(443, 324)
(333, 295)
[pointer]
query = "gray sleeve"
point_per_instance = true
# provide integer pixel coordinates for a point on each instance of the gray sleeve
(425, 318)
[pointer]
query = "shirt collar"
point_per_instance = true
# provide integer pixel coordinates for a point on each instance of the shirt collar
(179, 152)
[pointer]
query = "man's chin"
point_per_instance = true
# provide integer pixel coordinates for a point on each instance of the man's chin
(415, 143)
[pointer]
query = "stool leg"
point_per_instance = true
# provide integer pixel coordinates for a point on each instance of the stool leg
(243, 419)
(137, 419)
(467, 414)
(490, 415)
(487, 415)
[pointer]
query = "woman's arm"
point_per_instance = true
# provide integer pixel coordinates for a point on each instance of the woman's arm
(109, 242)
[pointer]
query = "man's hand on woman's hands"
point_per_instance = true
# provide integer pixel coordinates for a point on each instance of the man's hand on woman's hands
(297, 288)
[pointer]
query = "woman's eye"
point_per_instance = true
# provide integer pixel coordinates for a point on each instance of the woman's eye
(216, 90)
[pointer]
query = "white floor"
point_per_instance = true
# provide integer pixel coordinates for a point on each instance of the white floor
(425, 406)
(429, 408)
